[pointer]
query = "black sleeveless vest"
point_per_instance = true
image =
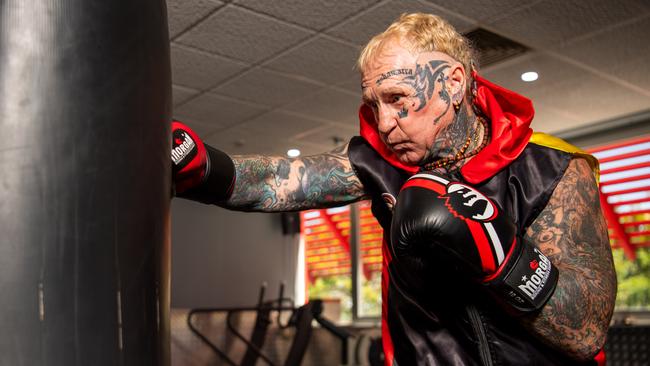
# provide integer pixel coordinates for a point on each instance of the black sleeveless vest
(431, 315)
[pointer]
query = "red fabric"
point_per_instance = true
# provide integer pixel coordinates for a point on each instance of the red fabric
(482, 245)
(425, 183)
(510, 130)
(510, 115)
(600, 358)
(386, 338)
(505, 260)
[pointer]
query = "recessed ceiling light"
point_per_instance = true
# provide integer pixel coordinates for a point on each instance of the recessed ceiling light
(529, 76)
(293, 153)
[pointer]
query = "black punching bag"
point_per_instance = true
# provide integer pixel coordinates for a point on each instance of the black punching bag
(84, 182)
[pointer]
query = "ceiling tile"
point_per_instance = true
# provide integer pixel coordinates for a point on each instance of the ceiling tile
(549, 120)
(352, 85)
(243, 35)
(361, 28)
(321, 59)
(202, 129)
(331, 135)
(281, 124)
(218, 111)
(266, 87)
(594, 99)
(481, 10)
(230, 140)
(238, 140)
(200, 70)
(308, 148)
(570, 89)
(550, 70)
(552, 22)
(184, 13)
(315, 14)
(180, 94)
(622, 52)
(329, 104)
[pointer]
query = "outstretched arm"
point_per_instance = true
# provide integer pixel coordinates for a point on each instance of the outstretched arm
(260, 183)
(282, 184)
(572, 233)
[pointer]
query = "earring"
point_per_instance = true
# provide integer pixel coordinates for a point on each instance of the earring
(456, 104)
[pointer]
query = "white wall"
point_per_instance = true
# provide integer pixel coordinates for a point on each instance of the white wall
(220, 258)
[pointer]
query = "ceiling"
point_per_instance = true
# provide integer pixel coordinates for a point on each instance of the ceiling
(263, 76)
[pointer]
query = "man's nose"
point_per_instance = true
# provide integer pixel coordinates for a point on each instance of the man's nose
(386, 120)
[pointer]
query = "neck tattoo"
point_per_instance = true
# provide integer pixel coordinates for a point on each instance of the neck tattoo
(449, 162)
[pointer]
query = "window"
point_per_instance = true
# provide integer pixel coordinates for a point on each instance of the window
(625, 200)
(333, 272)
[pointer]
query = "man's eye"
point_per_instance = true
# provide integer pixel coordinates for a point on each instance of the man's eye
(396, 98)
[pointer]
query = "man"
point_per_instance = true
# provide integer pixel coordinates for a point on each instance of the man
(487, 200)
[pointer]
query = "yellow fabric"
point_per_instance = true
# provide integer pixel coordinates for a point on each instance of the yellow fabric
(553, 142)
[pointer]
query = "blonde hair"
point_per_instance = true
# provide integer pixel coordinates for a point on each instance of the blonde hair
(422, 33)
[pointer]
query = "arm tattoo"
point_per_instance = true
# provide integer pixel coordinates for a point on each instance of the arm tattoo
(283, 184)
(572, 232)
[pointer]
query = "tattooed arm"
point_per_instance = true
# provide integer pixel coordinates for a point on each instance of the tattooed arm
(283, 184)
(572, 232)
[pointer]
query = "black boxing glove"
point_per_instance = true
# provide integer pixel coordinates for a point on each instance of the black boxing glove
(434, 215)
(200, 172)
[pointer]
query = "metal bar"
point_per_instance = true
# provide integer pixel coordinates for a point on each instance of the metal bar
(332, 267)
(238, 308)
(625, 168)
(630, 202)
(637, 245)
(624, 156)
(363, 251)
(337, 233)
(639, 140)
(636, 223)
(625, 191)
(207, 342)
(355, 255)
(329, 265)
(375, 230)
(249, 345)
(635, 212)
(321, 240)
(616, 226)
(627, 180)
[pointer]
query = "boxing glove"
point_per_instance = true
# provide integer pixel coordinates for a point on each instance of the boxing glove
(199, 171)
(436, 219)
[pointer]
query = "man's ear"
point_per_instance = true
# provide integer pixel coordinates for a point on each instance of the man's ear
(456, 82)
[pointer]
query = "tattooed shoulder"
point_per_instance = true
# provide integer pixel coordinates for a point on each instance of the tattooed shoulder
(282, 184)
(572, 217)
(572, 232)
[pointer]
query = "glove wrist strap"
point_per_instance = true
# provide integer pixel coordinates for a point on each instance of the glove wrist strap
(218, 181)
(529, 281)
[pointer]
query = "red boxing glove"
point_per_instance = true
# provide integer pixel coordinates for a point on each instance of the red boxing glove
(200, 172)
(189, 157)
(434, 216)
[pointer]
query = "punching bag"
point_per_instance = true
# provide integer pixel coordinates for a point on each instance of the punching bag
(84, 182)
